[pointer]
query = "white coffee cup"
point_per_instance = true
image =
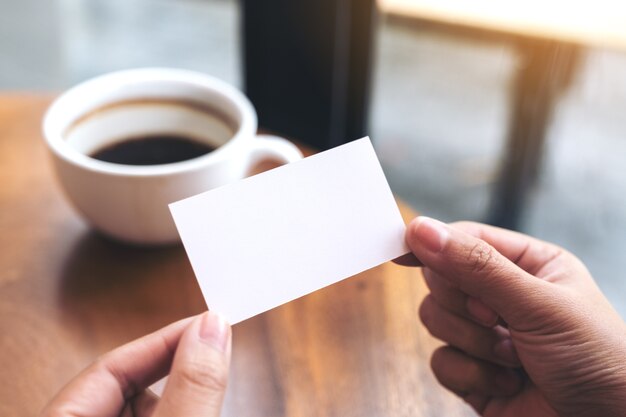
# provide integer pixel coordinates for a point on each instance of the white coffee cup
(130, 202)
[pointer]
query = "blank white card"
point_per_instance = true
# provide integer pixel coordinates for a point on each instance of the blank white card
(274, 237)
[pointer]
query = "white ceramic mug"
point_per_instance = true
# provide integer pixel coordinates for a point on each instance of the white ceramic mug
(130, 202)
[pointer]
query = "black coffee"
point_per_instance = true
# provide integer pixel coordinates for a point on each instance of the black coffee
(152, 150)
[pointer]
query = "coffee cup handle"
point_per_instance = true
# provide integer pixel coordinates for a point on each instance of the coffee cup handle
(273, 147)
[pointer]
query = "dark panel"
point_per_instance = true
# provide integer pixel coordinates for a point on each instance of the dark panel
(307, 67)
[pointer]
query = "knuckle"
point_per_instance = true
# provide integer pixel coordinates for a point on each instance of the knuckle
(210, 375)
(481, 257)
(428, 277)
(440, 365)
(437, 360)
(425, 310)
(105, 364)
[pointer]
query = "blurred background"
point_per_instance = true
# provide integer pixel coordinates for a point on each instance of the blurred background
(440, 109)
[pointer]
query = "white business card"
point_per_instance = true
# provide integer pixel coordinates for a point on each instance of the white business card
(271, 238)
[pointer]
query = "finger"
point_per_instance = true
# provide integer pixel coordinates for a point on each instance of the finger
(127, 411)
(199, 374)
(103, 388)
(490, 344)
(478, 269)
(477, 402)
(457, 301)
(461, 373)
(408, 259)
(144, 404)
(528, 253)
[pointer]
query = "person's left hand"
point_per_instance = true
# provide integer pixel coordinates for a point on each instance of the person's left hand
(196, 349)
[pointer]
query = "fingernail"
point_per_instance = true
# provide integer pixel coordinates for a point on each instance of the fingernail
(505, 350)
(432, 233)
(508, 381)
(214, 330)
(481, 312)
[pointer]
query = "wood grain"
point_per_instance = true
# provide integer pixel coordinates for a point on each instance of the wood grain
(67, 295)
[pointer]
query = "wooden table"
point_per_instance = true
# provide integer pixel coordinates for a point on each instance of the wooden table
(67, 295)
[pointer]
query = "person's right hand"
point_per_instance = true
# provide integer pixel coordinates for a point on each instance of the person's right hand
(528, 331)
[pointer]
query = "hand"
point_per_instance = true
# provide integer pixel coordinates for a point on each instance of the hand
(528, 331)
(198, 352)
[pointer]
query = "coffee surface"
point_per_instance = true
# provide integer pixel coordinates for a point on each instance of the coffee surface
(152, 150)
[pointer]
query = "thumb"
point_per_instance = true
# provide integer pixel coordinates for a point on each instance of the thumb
(199, 373)
(477, 269)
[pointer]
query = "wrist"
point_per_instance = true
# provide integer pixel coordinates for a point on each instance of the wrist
(604, 392)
